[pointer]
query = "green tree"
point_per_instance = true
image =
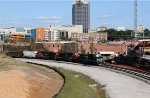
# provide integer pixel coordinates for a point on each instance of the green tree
(119, 35)
(7, 40)
(64, 38)
(146, 32)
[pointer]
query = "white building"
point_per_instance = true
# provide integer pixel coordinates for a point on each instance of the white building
(69, 28)
(15, 30)
(92, 30)
(51, 35)
(121, 29)
(140, 29)
(103, 28)
(27, 30)
(7, 31)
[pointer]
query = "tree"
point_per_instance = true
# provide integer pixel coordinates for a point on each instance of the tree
(64, 38)
(92, 48)
(7, 40)
(146, 32)
(119, 35)
(82, 50)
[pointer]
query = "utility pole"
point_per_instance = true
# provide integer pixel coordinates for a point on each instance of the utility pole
(135, 19)
(1, 42)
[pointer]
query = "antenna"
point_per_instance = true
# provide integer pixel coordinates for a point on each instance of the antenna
(135, 19)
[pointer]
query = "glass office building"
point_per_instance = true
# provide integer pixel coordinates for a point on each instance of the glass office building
(81, 14)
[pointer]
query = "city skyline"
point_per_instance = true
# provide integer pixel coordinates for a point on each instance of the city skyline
(36, 13)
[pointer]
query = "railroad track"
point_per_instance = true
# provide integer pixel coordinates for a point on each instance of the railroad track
(128, 72)
(132, 73)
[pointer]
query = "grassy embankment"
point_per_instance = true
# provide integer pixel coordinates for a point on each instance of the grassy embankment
(76, 86)
(8, 63)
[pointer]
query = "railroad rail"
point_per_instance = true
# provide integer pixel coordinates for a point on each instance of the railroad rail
(141, 76)
(129, 72)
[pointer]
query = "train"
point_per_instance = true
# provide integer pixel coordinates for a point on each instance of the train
(86, 59)
(135, 61)
(89, 59)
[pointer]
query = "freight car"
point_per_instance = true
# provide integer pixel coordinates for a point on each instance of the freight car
(144, 62)
(46, 55)
(29, 54)
(15, 54)
(133, 61)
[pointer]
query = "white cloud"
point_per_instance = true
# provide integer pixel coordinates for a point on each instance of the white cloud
(51, 19)
(55, 17)
(48, 22)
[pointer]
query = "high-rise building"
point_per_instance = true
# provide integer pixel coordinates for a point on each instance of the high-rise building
(81, 14)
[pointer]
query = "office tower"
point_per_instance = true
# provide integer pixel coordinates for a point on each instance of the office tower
(81, 14)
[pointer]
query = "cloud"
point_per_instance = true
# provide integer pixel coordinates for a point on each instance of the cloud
(106, 17)
(55, 17)
(48, 22)
(52, 19)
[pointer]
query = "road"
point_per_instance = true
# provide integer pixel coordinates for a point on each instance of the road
(117, 85)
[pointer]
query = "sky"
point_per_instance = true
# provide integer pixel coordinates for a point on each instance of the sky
(41, 13)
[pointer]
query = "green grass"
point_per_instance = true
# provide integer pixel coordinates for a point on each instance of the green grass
(78, 87)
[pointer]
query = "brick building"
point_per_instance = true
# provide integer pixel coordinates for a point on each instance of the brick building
(40, 34)
(116, 48)
(89, 37)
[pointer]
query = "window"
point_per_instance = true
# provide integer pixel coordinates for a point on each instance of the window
(39, 36)
(53, 45)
